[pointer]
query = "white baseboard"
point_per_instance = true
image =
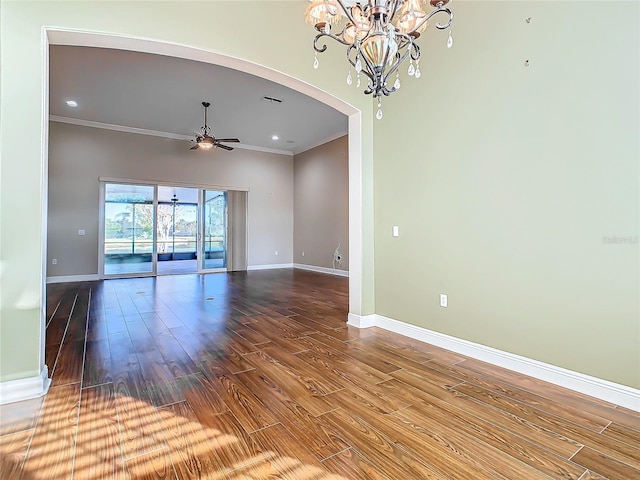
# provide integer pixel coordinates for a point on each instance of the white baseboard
(596, 387)
(73, 278)
(25, 388)
(361, 321)
(330, 271)
(270, 267)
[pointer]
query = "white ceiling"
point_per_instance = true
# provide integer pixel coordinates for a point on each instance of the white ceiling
(165, 94)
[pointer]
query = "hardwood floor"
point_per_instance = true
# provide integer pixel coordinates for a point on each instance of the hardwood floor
(257, 376)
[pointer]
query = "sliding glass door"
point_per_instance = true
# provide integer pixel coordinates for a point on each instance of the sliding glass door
(128, 230)
(162, 230)
(213, 246)
(177, 230)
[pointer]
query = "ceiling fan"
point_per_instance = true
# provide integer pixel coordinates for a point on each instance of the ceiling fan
(205, 141)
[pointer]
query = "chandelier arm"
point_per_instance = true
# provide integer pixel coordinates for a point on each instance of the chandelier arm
(324, 47)
(393, 10)
(439, 26)
(415, 51)
(346, 11)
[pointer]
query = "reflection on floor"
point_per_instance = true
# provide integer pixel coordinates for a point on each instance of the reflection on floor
(174, 267)
(177, 266)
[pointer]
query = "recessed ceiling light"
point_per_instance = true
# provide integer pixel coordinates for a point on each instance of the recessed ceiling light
(275, 137)
(72, 103)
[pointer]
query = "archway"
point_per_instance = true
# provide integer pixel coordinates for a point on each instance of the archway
(55, 36)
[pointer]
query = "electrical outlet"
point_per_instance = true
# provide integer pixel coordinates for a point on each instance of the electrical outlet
(54, 261)
(276, 252)
(82, 233)
(443, 300)
(396, 231)
(303, 254)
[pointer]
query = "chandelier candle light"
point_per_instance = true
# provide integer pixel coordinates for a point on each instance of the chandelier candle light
(379, 35)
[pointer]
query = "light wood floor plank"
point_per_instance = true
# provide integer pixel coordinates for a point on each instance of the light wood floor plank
(390, 460)
(606, 445)
(53, 445)
(600, 463)
(623, 434)
(155, 465)
(13, 451)
(350, 465)
(417, 386)
(568, 411)
(245, 406)
(310, 431)
(287, 457)
(99, 453)
(189, 447)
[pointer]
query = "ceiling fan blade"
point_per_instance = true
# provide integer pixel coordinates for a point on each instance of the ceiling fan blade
(227, 140)
(195, 147)
(224, 146)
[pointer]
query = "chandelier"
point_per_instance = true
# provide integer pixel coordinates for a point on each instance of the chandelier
(379, 34)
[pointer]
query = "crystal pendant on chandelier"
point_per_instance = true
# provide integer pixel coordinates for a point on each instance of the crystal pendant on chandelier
(412, 70)
(417, 73)
(393, 45)
(396, 84)
(450, 40)
(349, 78)
(358, 80)
(316, 63)
(379, 112)
(358, 65)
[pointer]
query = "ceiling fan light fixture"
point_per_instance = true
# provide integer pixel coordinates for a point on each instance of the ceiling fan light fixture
(205, 143)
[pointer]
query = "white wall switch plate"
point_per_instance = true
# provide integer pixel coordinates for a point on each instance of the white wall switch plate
(396, 231)
(443, 300)
(82, 233)
(54, 261)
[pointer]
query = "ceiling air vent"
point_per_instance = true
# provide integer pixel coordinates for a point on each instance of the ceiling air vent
(271, 99)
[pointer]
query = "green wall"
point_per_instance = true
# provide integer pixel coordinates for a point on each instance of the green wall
(508, 182)
(210, 26)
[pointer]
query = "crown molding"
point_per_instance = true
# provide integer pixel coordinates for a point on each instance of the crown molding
(155, 133)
